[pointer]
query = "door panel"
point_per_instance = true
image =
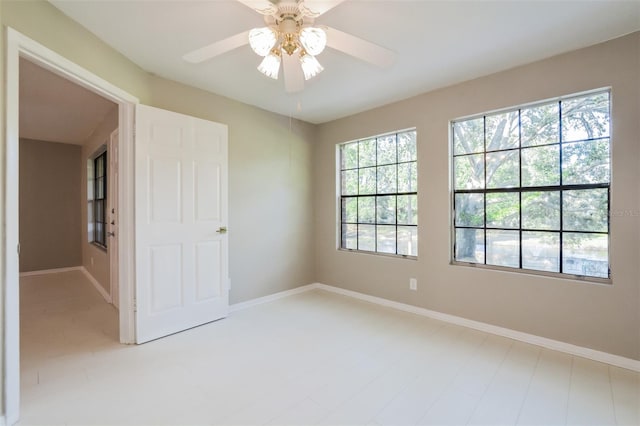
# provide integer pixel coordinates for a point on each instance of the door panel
(165, 270)
(208, 283)
(181, 203)
(165, 190)
(207, 193)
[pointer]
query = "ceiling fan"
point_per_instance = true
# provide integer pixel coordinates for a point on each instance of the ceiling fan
(291, 38)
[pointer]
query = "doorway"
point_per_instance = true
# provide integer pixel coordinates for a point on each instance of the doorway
(66, 220)
(20, 46)
(67, 211)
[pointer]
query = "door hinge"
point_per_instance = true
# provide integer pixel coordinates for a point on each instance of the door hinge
(18, 249)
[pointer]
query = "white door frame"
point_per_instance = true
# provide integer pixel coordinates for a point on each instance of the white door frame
(113, 212)
(19, 45)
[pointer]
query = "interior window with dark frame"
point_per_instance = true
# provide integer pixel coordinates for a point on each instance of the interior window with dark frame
(379, 194)
(531, 187)
(100, 199)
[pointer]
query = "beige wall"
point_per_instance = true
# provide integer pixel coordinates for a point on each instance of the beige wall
(49, 213)
(602, 317)
(95, 259)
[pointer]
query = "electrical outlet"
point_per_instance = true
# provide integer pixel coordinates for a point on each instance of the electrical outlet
(413, 284)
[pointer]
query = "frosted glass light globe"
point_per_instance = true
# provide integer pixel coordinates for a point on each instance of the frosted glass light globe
(262, 40)
(313, 40)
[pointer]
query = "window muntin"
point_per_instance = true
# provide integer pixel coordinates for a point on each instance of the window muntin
(97, 197)
(379, 194)
(531, 187)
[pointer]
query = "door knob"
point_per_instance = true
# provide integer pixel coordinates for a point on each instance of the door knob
(222, 230)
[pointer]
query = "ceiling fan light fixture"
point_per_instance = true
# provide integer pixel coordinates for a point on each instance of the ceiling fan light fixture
(270, 65)
(313, 40)
(289, 44)
(310, 65)
(262, 40)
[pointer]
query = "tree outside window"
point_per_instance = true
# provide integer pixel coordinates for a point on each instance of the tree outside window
(532, 187)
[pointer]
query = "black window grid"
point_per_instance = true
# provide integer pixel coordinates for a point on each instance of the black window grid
(561, 189)
(100, 200)
(375, 195)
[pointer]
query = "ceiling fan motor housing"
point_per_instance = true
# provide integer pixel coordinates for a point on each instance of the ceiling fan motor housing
(288, 20)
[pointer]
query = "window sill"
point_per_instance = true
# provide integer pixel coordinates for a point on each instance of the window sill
(99, 246)
(555, 275)
(373, 253)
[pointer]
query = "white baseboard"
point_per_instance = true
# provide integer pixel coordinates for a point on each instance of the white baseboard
(260, 300)
(96, 284)
(50, 271)
(607, 358)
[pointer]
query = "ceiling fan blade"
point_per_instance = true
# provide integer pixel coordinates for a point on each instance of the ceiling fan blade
(359, 48)
(263, 7)
(293, 76)
(217, 48)
(315, 8)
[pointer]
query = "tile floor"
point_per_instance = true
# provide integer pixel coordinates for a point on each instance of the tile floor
(312, 359)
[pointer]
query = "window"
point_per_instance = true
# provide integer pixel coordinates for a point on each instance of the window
(379, 194)
(97, 199)
(531, 187)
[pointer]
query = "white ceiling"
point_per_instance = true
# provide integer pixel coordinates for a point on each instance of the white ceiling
(56, 110)
(438, 43)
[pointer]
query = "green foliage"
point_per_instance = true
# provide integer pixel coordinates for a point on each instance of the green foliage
(469, 209)
(408, 209)
(469, 171)
(541, 166)
(502, 131)
(407, 177)
(502, 210)
(387, 153)
(586, 162)
(367, 153)
(468, 136)
(585, 117)
(503, 169)
(367, 210)
(349, 156)
(541, 210)
(540, 125)
(388, 179)
(350, 210)
(367, 181)
(407, 148)
(386, 209)
(585, 210)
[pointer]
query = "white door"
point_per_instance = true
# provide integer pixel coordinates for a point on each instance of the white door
(112, 217)
(181, 218)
